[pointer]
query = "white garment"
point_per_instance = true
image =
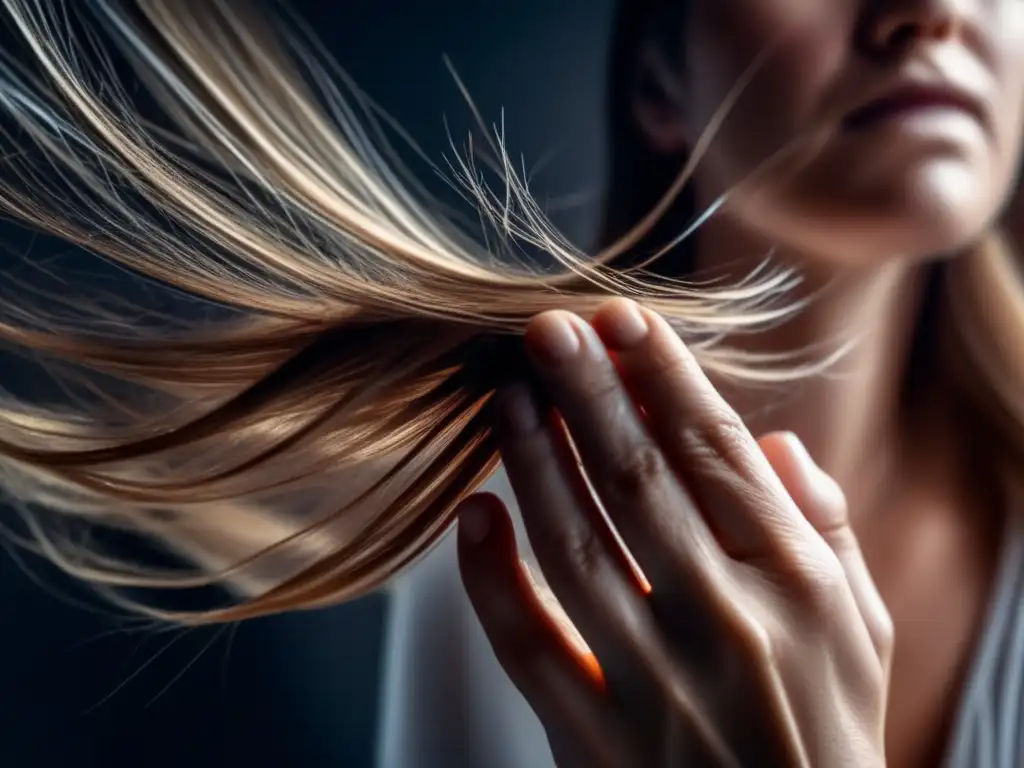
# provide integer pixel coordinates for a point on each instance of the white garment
(447, 703)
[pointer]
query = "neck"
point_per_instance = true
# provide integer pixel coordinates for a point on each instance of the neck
(850, 418)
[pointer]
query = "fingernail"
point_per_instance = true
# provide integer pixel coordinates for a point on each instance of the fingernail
(552, 340)
(474, 521)
(622, 325)
(516, 409)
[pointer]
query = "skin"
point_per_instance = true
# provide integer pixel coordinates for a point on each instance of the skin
(762, 631)
(843, 198)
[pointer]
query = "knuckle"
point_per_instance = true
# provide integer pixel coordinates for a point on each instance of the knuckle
(577, 550)
(634, 473)
(717, 440)
(600, 386)
(818, 583)
(659, 360)
(725, 428)
(604, 387)
(840, 537)
(758, 641)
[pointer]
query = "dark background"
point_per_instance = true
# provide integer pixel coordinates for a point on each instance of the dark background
(78, 689)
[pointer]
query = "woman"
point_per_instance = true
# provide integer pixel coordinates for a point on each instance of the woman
(766, 636)
(864, 140)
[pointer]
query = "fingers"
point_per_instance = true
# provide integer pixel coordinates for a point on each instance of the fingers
(823, 503)
(638, 488)
(581, 560)
(592, 580)
(544, 475)
(704, 440)
(687, 458)
(558, 677)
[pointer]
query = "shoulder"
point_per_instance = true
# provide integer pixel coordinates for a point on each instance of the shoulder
(445, 699)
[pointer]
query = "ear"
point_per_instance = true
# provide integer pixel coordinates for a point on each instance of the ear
(658, 102)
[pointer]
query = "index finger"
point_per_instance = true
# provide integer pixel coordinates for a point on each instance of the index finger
(703, 438)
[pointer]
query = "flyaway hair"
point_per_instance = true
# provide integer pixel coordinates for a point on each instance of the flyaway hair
(307, 434)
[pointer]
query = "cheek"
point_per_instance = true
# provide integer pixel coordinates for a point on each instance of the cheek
(784, 53)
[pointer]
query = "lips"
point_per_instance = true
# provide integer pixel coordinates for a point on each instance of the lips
(914, 99)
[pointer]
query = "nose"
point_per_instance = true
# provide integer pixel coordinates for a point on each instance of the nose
(894, 27)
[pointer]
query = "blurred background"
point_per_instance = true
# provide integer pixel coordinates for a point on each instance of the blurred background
(79, 689)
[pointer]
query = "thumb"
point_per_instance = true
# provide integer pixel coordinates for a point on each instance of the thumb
(823, 503)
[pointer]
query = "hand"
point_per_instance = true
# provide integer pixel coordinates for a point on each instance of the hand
(753, 634)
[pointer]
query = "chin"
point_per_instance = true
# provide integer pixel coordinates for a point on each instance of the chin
(929, 221)
(917, 221)
(926, 210)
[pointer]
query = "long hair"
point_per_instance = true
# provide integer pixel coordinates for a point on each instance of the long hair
(971, 326)
(309, 436)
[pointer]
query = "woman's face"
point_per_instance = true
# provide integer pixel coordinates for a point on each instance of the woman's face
(895, 125)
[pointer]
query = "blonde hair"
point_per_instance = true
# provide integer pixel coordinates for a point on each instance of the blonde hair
(309, 439)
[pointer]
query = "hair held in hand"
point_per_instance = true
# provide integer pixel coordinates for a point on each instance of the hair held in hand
(308, 432)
